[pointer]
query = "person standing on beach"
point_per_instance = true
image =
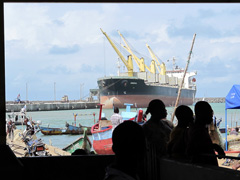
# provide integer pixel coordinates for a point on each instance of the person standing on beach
(116, 118)
(10, 130)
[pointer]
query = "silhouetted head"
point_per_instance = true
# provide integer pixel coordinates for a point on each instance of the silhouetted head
(128, 140)
(203, 113)
(157, 108)
(184, 115)
(79, 152)
(116, 110)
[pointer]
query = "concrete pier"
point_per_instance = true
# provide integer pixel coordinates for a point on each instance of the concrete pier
(60, 105)
(211, 100)
(50, 106)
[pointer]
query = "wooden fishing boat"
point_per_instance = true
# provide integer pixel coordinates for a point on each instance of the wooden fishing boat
(77, 130)
(52, 131)
(81, 143)
(102, 137)
(102, 131)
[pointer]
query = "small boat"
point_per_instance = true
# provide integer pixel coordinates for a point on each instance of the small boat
(102, 131)
(81, 143)
(128, 114)
(77, 130)
(102, 137)
(73, 130)
(17, 118)
(52, 131)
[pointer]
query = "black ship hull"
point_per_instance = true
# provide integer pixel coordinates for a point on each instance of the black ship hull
(119, 90)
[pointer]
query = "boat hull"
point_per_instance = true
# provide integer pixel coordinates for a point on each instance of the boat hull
(81, 143)
(51, 131)
(103, 147)
(102, 139)
(119, 90)
(77, 130)
(140, 101)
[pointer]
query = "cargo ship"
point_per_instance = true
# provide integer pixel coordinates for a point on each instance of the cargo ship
(139, 88)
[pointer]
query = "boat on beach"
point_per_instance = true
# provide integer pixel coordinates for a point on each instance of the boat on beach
(82, 142)
(16, 117)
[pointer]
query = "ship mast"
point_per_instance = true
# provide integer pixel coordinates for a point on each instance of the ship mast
(184, 74)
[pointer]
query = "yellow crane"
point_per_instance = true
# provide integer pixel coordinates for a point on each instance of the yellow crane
(140, 62)
(162, 65)
(128, 63)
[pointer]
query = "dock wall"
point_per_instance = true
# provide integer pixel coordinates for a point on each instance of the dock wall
(59, 105)
(50, 106)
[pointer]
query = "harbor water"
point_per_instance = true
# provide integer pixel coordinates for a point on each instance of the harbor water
(86, 118)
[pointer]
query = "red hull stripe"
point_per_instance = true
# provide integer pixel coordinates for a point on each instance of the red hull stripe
(103, 146)
(140, 100)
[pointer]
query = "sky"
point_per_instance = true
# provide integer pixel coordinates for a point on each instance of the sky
(61, 43)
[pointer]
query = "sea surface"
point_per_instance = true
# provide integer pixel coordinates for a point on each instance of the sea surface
(86, 118)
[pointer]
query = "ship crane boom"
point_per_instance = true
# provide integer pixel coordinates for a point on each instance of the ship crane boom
(137, 60)
(140, 62)
(128, 63)
(154, 57)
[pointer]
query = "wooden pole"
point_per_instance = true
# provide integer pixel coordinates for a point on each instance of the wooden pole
(184, 74)
(100, 112)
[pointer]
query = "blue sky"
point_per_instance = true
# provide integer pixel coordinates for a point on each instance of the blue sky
(62, 43)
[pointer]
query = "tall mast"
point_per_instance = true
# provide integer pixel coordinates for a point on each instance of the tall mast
(184, 74)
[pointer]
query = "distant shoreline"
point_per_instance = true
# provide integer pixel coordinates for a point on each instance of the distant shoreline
(211, 100)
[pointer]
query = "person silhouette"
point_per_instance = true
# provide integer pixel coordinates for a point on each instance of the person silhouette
(129, 147)
(178, 138)
(200, 148)
(157, 130)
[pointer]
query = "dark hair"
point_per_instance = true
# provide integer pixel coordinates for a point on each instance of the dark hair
(157, 107)
(116, 110)
(184, 115)
(128, 137)
(203, 112)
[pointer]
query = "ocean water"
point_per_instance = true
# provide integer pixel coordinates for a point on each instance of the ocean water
(86, 118)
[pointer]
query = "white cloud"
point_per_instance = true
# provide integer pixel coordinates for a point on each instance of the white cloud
(232, 40)
(44, 39)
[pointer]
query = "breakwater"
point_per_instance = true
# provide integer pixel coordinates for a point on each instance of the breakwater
(211, 100)
(59, 105)
(50, 105)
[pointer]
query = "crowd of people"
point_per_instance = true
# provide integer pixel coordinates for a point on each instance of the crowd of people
(189, 141)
